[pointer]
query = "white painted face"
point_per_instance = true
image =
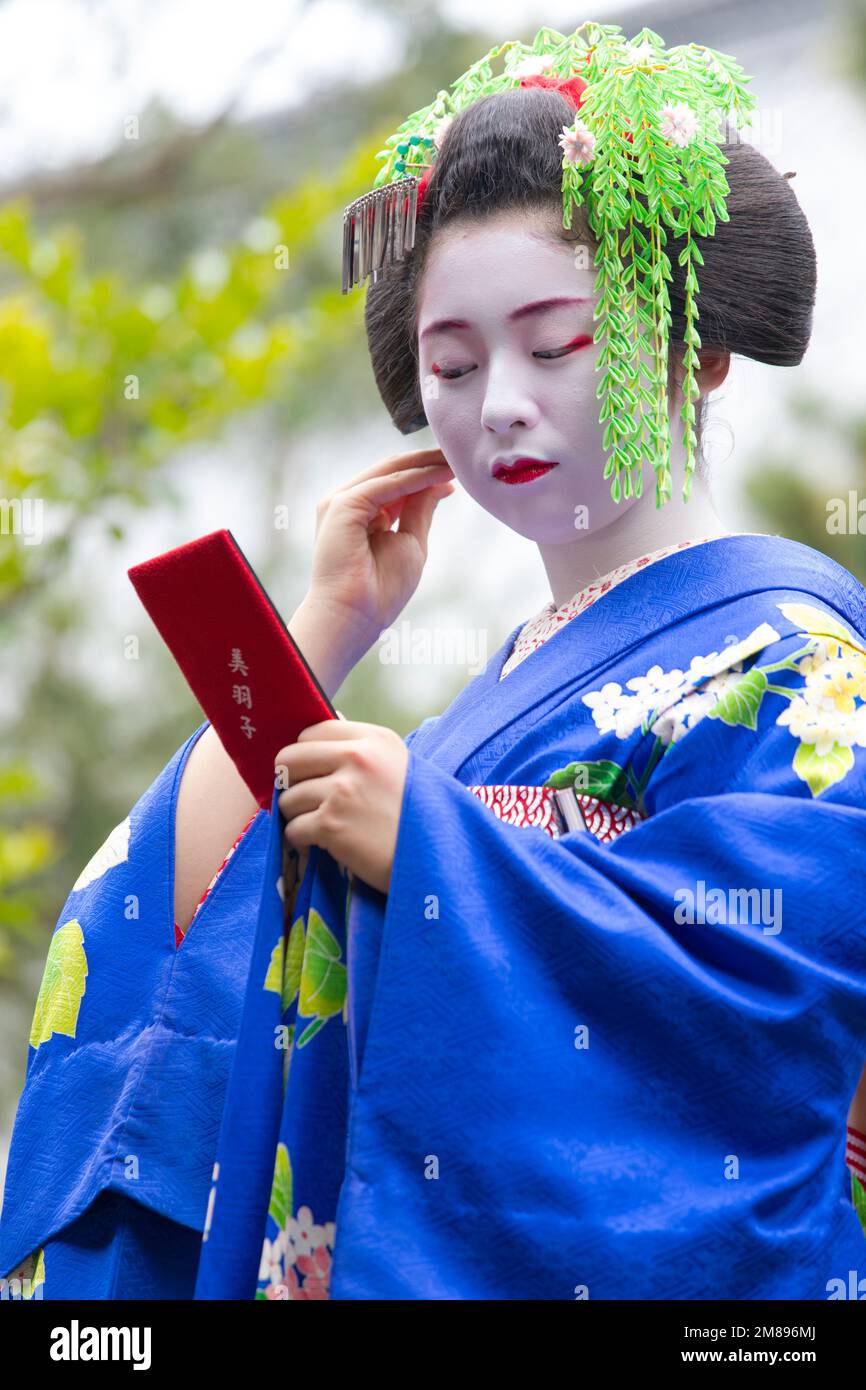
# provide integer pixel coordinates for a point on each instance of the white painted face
(517, 381)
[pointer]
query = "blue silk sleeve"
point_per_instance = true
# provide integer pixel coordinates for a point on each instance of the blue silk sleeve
(132, 1038)
(589, 1067)
(363, 957)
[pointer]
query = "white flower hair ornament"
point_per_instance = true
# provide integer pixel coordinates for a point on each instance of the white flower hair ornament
(643, 153)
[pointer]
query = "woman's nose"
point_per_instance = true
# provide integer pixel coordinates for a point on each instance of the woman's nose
(507, 404)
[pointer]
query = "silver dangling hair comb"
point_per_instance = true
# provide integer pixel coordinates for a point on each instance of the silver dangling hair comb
(379, 230)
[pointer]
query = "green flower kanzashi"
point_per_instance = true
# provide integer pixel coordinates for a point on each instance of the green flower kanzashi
(643, 154)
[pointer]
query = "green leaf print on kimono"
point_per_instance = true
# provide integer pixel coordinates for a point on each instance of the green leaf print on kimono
(823, 714)
(858, 1197)
(284, 970)
(311, 970)
(603, 779)
(63, 985)
(280, 1207)
(323, 977)
(283, 977)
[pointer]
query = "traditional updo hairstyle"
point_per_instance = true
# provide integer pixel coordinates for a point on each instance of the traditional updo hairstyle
(757, 283)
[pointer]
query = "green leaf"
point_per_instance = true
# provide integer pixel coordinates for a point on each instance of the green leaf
(740, 704)
(604, 779)
(294, 963)
(62, 987)
(323, 978)
(824, 771)
(280, 1206)
(858, 1197)
(274, 976)
(311, 1030)
(815, 622)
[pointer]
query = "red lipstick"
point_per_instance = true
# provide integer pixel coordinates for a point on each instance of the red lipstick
(522, 470)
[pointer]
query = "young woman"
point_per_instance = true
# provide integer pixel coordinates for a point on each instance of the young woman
(565, 995)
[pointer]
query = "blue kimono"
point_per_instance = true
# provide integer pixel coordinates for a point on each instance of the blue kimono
(551, 1062)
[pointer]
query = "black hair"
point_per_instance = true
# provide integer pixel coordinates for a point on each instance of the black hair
(502, 154)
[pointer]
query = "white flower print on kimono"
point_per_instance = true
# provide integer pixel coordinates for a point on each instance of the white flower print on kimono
(114, 851)
(827, 714)
(671, 695)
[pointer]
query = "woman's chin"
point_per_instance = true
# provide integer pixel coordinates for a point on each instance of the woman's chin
(551, 532)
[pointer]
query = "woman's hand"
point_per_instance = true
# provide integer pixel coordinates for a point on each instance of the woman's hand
(344, 783)
(363, 573)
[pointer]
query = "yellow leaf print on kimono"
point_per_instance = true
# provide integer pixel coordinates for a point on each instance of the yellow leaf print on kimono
(62, 987)
(828, 715)
(114, 851)
(27, 1280)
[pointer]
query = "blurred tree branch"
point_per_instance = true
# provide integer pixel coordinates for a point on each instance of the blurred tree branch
(123, 176)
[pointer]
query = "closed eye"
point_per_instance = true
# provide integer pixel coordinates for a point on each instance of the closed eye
(450, 374)
(575, 343)
(546, 355)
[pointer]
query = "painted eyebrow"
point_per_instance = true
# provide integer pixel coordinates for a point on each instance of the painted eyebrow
(536, 307)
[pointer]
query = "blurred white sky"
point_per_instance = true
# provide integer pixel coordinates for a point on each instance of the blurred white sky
(94, 62)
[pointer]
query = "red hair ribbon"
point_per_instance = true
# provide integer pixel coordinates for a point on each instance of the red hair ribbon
(572, 88)
(422, 187)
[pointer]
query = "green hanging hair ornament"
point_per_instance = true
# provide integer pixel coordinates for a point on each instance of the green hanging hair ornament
(643, 154)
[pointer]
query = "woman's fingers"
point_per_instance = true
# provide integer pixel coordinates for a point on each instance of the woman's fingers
(409, 509)
(417, 513)
(378, 501)
(306, 796)
(392, 489)
(396, 463)
(303, 755)
(307, 761)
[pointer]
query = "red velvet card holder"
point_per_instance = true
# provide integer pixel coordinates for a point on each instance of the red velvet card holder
(241, 663)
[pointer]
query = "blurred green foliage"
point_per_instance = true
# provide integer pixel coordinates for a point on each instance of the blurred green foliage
(182, 289)
(813, 506)
(104, 379)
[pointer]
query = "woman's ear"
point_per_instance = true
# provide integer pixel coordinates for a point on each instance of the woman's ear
(713, 369)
